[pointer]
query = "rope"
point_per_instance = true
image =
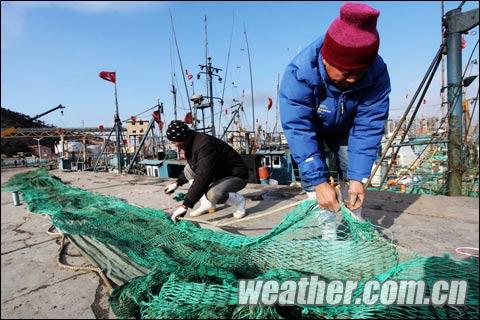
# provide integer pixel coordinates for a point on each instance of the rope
(459, 250)
(76, 268)
(258, 215)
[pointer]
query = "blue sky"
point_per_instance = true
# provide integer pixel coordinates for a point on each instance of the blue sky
(52, 52)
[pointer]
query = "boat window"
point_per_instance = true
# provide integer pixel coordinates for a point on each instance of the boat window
(266, 161)
(276, 162)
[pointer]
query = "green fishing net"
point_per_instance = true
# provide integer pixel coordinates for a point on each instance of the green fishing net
(194, 272)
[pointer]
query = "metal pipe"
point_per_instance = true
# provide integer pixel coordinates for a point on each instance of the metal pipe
(231, 120)
(16, 198)
(417, 143)
(144, 138)
(103, 150)
(404, 116)
(410, 122)
(455, 128)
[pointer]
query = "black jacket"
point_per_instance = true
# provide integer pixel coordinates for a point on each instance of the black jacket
(211, 159)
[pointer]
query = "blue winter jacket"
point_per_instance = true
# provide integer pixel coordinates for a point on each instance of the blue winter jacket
(313, 109)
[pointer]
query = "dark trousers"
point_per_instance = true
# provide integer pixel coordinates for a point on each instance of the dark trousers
(218, 191)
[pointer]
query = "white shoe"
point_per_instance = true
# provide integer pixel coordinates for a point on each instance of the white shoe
(205, 206)
(238, 202)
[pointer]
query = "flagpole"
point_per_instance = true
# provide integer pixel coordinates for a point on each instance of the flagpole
(118, 128)
(266, 129)
(116, 99)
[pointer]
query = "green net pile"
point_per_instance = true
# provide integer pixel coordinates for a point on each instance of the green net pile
(194, 272)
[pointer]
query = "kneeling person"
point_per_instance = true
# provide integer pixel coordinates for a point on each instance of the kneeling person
(215, 172)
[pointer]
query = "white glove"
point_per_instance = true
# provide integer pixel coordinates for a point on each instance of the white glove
(180, 212)
(311, 195)
(170, 188)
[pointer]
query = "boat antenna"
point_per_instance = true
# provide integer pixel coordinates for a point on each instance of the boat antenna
(180, 60)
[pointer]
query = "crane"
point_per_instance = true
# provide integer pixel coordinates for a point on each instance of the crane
(8, 131)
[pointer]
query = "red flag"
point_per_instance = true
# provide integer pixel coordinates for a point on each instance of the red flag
(270, 103)
(160, 125)
(124, 142)
(189, 75)
(134, 119)
(107, 75)
(188, 118)
(157, 117)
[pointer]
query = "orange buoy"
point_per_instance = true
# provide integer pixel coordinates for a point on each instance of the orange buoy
(263, 173)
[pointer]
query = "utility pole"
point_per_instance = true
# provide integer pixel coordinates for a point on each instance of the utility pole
(456, 23)
(39, 151)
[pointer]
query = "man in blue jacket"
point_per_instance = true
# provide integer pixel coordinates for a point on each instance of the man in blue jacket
(336, 93)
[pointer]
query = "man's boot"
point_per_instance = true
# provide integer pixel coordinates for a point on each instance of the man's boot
(205, 206)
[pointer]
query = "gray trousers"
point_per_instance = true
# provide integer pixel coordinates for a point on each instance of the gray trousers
(218, 191)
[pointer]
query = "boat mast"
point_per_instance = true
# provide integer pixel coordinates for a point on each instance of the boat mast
(174, 90)
(226, 71)
(275, 128)
(251, 79)
(180, 60)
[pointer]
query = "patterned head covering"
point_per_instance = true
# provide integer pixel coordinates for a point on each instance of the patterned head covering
(177, 131)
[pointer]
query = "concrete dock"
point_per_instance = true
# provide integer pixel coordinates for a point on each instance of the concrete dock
(34, 286)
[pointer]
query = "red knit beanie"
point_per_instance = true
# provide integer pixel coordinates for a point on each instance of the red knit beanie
(352, 39)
